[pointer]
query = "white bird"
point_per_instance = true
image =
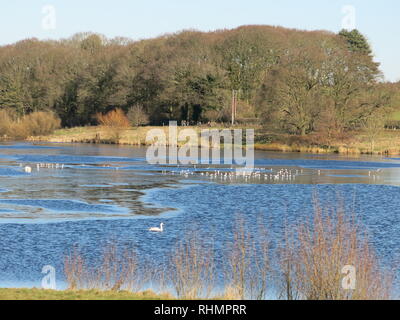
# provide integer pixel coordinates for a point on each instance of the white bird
(155, 229)
(28, 169)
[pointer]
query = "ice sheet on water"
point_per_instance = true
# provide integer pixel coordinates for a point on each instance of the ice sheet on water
(8, 211)
(72, 159)
(10, 172)
(27, 146)
(327, 164)
(66, 206)
(346, 176)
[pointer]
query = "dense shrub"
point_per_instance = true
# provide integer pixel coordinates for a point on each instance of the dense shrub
(5, 123)
(41, 123)
(115, 118)
(116, 122)
(34, 124)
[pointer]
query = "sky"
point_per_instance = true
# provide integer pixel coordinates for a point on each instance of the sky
(138, 19)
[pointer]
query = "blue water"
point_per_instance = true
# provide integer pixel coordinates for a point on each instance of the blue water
(110, 193)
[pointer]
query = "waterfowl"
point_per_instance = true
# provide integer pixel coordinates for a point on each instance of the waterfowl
(155, 229)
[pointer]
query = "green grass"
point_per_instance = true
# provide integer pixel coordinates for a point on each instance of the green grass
(395, 116)
(40, 294)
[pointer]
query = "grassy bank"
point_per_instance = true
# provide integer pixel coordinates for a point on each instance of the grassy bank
(39, 294)
(387, 142)
(98, 134)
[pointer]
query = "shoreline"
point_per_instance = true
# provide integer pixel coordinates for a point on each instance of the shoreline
(387, 144)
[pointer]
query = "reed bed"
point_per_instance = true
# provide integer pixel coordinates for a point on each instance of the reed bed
(192, 268)
(247, 266)
(306, 264)
(118, 271)
(314, 254)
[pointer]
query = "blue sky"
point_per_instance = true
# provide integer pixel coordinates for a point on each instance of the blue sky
(137, 19)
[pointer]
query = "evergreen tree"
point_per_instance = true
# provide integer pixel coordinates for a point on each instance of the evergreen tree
(356, 41)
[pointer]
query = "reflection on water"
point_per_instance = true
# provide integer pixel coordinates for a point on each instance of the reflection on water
(102, 192)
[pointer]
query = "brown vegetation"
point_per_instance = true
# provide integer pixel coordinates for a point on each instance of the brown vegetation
(314, 254)
(34, 124)
(192, 268)
(117, 271)
(248, 262)
(115, 121)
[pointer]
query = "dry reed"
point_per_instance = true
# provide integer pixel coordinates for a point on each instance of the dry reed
(315, 253)
(248, 262)
(117, 271)
(192, 268)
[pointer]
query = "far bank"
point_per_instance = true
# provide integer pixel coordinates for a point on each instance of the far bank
(386, 142)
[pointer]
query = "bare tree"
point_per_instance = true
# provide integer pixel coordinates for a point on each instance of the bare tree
(137, 116)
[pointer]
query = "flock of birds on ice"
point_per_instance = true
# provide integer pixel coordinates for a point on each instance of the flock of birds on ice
(28, 169)
(259, 174)
(244, 175)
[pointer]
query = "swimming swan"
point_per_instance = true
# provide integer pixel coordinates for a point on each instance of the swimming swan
(160, 229)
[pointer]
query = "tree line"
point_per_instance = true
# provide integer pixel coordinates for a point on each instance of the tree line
(295, 81)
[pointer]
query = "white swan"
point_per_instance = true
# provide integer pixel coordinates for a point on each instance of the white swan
(160, 229)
